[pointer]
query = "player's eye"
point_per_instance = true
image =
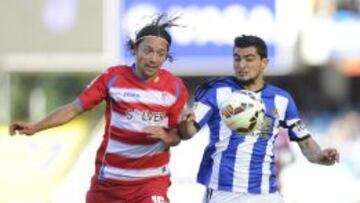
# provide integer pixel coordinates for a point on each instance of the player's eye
(250, 59)
(161, 54)
(147, 50)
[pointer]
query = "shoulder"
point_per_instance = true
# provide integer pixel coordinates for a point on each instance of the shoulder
(167, 74)
(171, 83)
(170, 78)
(115, 72)
(272, 90)
(119, 69)
(214, 83)
(218, 82)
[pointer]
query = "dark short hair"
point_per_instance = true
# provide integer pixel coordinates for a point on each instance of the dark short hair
(158, 27)
(245, 41)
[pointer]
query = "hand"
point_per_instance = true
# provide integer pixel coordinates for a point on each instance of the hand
(190, 116)
(329, 156)
(159, 133)
(22, 128)
(187, 128)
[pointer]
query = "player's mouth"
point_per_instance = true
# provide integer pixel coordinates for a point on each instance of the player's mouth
(151, 67)
(243, 73)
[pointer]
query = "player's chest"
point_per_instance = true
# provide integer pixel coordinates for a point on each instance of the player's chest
(274, 111)
(139, 93)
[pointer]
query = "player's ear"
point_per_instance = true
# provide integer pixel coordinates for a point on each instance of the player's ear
(264, 62)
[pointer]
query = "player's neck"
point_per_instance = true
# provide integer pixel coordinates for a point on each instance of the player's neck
(255, 86)
(141, 76)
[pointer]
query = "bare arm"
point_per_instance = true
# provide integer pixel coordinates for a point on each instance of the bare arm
(314, 154)
(60, 116)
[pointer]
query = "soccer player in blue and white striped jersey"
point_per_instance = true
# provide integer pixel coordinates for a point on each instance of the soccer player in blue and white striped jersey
(238, 168)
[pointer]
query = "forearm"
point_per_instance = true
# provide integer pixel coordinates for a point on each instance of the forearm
(60, 116)
(311, 150)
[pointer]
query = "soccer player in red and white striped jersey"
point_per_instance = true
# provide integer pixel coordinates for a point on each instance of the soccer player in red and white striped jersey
(143, 108)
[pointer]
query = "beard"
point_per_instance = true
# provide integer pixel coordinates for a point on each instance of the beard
(246, 82)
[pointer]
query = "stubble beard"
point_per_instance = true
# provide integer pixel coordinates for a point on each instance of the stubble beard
(246, 82)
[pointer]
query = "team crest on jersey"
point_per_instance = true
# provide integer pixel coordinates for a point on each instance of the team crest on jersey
(265, 129)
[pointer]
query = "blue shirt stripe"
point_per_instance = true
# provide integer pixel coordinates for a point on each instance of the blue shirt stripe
(207, 162)
(227, 165)
(256, 166)
(272, 178)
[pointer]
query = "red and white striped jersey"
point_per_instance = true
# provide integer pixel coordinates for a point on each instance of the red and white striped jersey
(126, 154)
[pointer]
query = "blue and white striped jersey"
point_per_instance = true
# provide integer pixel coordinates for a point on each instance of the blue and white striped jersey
(232, 162)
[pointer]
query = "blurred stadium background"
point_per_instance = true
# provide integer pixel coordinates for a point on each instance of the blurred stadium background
(51, 49)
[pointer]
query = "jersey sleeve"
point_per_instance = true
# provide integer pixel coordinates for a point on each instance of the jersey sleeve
(178, 108)
(95, 92)
(297, 129)
(204, 105)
